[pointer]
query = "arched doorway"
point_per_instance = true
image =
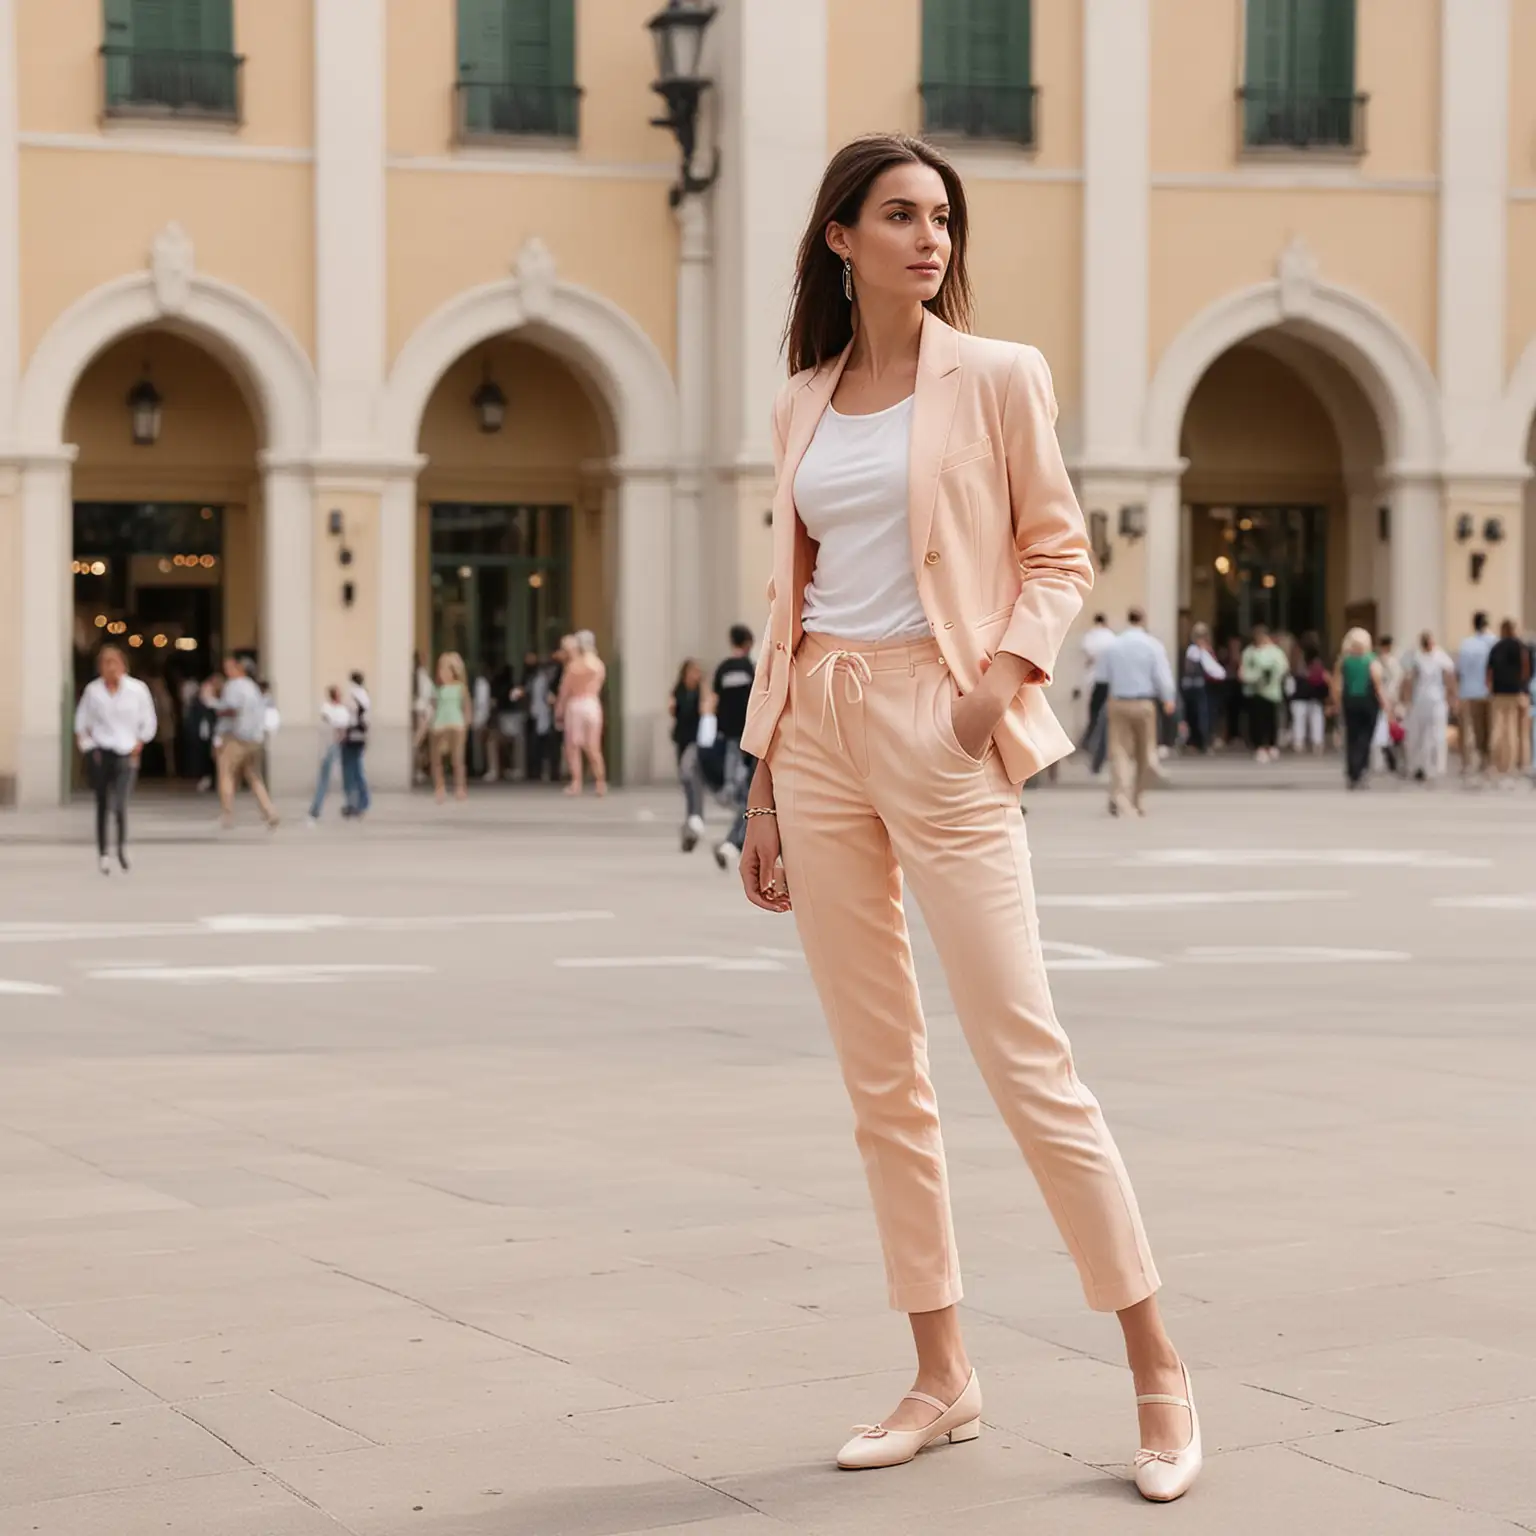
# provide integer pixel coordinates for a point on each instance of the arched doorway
(166, 529)
(1280, 521)
(512, 545)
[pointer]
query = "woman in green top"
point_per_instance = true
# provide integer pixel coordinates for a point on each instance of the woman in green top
(1264, 670)
(1357, 692)
(450, 720)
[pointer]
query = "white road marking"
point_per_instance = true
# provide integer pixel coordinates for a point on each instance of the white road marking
(1523, 902)
(666, 963)
(1130, 901)
(1084, 957)
(246, 924)
(27, 989)
(252, 975)
(1233, 954)
(1298, 858)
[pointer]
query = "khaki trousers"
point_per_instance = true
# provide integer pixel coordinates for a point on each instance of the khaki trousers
(873, 787)
(241, 760)
(1132, 749)
(1506, 712)
(1474, 716)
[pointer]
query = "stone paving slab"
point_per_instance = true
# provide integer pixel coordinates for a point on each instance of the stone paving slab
(569, 1250)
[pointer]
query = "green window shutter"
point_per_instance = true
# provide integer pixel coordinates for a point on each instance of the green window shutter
(1336, 71)
(977, 69)
(482, 60)
(1268, 74)
(217, 29)
(562, 65)
(117, 35)
(943, 64)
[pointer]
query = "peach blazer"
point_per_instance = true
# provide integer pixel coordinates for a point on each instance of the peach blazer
(998, 541)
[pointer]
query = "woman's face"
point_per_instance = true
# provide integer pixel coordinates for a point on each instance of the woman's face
(900, 246)
(693, 675)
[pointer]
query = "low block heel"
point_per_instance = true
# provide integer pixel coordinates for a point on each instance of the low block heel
(965, 1432)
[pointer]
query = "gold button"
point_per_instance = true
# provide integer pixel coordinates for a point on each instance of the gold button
(932, 557)
(949, 626)
(779, 646)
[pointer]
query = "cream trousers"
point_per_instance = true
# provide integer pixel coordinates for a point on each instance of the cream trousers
(871, 784)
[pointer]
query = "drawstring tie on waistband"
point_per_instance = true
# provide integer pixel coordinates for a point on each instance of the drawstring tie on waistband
(857, 674)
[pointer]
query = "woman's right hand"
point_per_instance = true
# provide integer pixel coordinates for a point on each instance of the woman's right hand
(762, 875)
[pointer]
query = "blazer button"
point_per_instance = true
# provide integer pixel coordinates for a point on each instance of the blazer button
(949, 626)
(931, 558)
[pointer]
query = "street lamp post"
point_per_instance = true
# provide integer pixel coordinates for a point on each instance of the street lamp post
(678, 35)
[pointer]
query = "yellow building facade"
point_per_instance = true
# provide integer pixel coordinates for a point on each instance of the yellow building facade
(341, 331)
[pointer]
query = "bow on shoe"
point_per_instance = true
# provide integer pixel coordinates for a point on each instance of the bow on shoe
(870, 1431)
(1144, 1457)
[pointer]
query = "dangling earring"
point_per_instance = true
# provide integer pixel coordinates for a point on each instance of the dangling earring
(848, 278)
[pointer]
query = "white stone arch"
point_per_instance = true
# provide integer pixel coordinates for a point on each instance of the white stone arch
(1510, 432)
(1389, 368)
(261, 353)
(604, 345)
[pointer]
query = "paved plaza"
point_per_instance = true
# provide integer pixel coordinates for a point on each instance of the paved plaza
(485, 1171)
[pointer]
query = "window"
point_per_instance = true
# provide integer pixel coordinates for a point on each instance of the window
(517, 68)
(1300, 88)
(976, 70)
(171, 58)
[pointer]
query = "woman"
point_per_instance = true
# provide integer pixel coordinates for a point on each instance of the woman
(1309, 697)
(579, 711)
(1357, 695)
(450, 723)
(114, 720)
(686, 708)
(929, 558)
(1263, 670)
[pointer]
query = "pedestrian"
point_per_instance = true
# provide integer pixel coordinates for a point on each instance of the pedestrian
(686, 711)
(503, 738)
(113, 720)
(354, 749)
(450, 724)
(1140, 681)
(1390, 741)
(1263, 670)
(543, 745)
(1310, 689)
(202, 727)
(579, 712)
(1357, 694)
(1509, 683)
(334, 719)
(1472, 715)
(1234, 695)
(423, 705)
(891, 744)
(1427, 692)
(1199, 677)
(480, 723)
(243, 734)
(1096, 641)
(731, 690)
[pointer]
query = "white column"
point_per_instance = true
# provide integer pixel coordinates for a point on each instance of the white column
(644, 625)
(286, 638)
(47, 688)
(1117, 40)
(1474, 151)
(10, 226)
(350, 235)
(771, 62)
(693, 389)
(1162, 559)
(391, 686)
(1416, 558)
(1363, 537)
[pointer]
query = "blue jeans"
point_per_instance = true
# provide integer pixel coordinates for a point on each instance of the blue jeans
(323, 783)
(354, 781)
(739, 768)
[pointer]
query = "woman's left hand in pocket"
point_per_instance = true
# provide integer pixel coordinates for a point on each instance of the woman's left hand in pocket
(976, 716)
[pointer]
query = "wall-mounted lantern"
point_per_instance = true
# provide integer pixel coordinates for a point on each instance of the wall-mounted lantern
(145, 410)
(490, 403)
(1098, 539)
(1133, 522)
(678, 34)
(1466, 526)
(1493, 530)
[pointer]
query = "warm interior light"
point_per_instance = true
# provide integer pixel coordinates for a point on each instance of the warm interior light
(1223, 565)
(165, 566)
(161, 641)
(135, 641)
(101, 621)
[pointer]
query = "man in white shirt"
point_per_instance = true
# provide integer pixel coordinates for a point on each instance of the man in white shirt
(1139, 679)
(335, 717)
(1429, 690)
(1200, 671)
(115, 717)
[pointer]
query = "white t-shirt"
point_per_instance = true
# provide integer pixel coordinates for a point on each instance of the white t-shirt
(1095, 643)
(115, 722)
(851, 493)
(1429, 670)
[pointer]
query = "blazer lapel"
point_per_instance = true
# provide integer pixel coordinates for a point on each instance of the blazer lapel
(933, 409)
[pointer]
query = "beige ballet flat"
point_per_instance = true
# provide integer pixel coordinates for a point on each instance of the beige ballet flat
(877, 1446)
(1163, 1476)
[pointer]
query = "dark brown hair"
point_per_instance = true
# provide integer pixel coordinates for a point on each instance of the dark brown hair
(820, 321)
